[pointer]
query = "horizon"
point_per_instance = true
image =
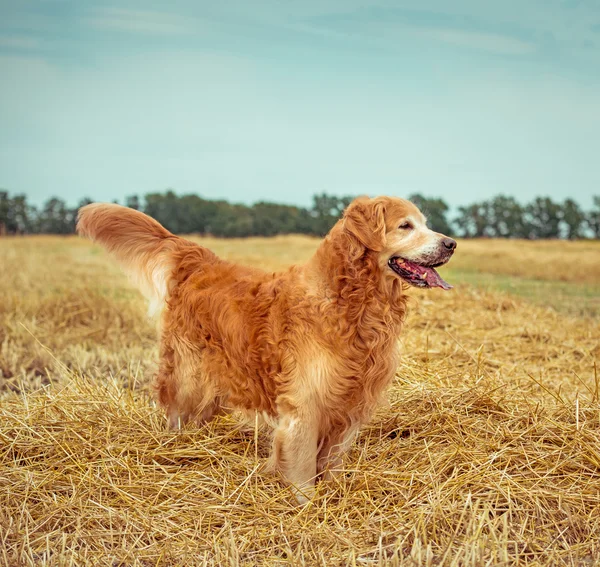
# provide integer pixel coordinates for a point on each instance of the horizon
(452, 208)
(278, 103)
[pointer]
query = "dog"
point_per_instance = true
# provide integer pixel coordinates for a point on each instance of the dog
(312, 348)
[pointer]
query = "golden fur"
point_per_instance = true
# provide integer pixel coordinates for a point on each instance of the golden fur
(312, 348)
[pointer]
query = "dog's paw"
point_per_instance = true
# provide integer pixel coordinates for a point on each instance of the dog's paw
(304, 494)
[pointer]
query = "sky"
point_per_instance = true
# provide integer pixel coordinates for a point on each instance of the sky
(277, 101)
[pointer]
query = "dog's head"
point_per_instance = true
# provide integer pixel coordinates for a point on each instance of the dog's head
(396, 231)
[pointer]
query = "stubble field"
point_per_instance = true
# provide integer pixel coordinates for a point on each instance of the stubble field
(488, 453)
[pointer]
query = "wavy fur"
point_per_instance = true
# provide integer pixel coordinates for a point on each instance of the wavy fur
(312, 348)
(142, 246)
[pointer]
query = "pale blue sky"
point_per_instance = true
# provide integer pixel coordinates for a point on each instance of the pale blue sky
(280, 100)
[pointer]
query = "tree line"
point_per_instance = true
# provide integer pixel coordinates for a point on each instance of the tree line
(500, 216)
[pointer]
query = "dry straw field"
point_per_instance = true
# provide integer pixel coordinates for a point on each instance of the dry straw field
(488, 453)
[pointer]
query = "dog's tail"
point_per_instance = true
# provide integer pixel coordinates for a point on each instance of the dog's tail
(142, 246)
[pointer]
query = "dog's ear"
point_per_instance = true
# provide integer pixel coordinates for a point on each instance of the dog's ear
(365, 219)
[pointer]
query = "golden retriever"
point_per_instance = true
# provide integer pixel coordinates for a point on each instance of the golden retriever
(312, 349)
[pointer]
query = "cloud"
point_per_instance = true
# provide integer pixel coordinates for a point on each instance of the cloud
(18, 42)
(393, 35)
(320, 31)
(141, 21)
(491, 42)
(396, 27)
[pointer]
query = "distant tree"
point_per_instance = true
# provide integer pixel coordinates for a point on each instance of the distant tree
(573, 218)
(543, 218)
(232, 221)
(205, 213)
(326, 210)
(193, 214)
(133, 202)
(435, 210)
(166, 209)
(22, 215)
(473, 221)
(507, 218)
(56, 218)
(5, 205)
(304, 222)
(16, 215)
(592, 218)
(270, 219)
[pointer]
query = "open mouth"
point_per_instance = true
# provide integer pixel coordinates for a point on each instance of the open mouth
(416, 274)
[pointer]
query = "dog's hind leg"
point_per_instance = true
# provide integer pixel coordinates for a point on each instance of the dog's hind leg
(209, 409)
(183, 388)
(195, 407)
(184, 412)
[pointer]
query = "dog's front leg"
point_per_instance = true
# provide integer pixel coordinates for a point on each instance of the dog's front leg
(295, 452)
(333, 449)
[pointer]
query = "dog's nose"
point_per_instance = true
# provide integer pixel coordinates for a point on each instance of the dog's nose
(449, 243)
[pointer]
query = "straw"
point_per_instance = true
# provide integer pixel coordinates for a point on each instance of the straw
(487, 454)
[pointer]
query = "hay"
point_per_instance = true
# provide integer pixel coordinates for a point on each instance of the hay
(570, 261)
(488, 453)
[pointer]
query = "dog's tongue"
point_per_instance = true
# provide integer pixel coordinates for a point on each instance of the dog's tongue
(434, 279)
(427, 277)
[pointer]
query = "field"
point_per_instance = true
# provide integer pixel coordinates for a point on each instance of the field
(487, 454)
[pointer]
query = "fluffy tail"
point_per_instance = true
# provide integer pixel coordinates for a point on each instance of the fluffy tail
(142, 246)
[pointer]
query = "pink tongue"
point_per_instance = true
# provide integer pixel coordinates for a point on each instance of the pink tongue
(434, 279)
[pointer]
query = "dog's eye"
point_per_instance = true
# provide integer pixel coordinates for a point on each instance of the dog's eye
(406, 225)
